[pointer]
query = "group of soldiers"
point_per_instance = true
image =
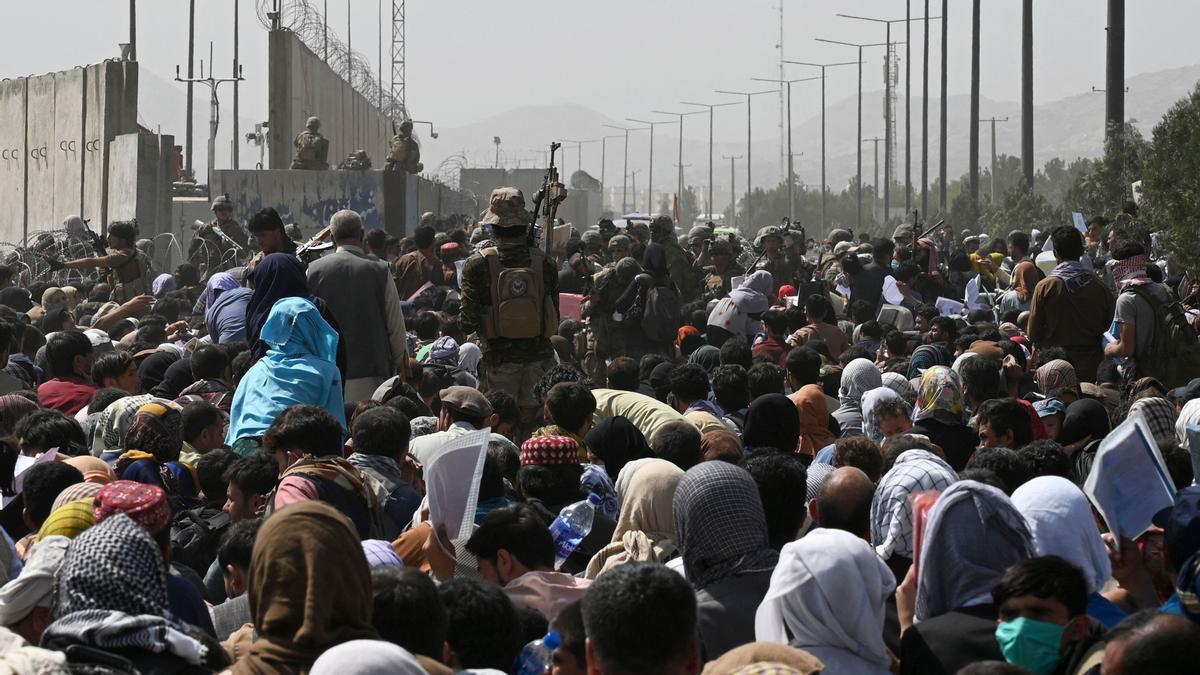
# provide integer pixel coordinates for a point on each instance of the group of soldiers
(312, 151)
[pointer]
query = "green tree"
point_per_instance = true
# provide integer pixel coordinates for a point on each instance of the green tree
(1019, 209)
(1107, 186)
(1171, 180)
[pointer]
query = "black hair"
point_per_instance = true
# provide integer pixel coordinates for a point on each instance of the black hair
(766, 378)
(850, 264)
(900, 445)
(569, 626)
(1155, 642)
(6, 274)
(504, 406)
(853, 353)
(1003, 415)
(255, 474)
(1010, 466)
(61, 350)
(640, 618)
(559, 373)
(198, 416)
(105, 397)
(209, 362)
(859, 452)
(41, 486)
(622, 374)
(1067, 243)
(307, 428)
(782, 486)
(570, 405)
(776, 321)
(1044, 577)
(210, 474)
(648, 363)
(1046, 458)
(423, 236)
(376, 238)
(125, 230)
(897, 343)
(736, 350)
(948, 327)
(241, 365)
(426, 325)
(264, 220)
(237, 544)
(678, 442)
(870, 329)
(518, 530)
(382, 431)
(408, 611)
(731, 387)
(981, 378)
(44, 429)
(688, 382)
(804, 365)
(481, 624)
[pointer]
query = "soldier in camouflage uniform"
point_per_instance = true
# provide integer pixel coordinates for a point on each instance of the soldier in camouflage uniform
(718, 277)
(312, 149)
(403, 152)
(775, 260)
(605, 335)
(128, 268)
(618, 247)
(679, 262)
(219, 244)
(607, 229)
(513, 365)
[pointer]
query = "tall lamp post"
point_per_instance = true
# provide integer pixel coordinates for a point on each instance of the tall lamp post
(823, 66)
(680, 164)
(579, 153)
(749, 184)
(791, 175)
(710, 106)
(860, 47)
(603, 166)
(625, 165)
(732, 188)
(650, 178)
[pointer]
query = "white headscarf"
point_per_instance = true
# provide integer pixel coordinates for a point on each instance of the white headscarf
(469, 356)
(858, 377)
(34, 587)
(1060, 519)
(1189, 415)
(828, 591)
(626, 476)
(646, 527)
(367, 657)
(871, 401)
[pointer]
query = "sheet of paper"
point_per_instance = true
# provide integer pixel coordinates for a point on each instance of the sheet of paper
(949, 307)
(971, 297)
(1129, 482)
(1080, 224)
(24, 464)
(891, 291)
(452, 483)
(1193, 444)
(458, 265)
(570, 306)
(842, 290)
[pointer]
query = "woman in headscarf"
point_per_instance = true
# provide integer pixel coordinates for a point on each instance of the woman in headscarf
(727, 557)
(926, 357)
(630, 307)
(1025, 277)
(1159, 414)
(53, 298)
(914, 472)
(940, 415)
(827, 597)
(813, 407)
(1057, 379)
(469, 356)
(152, 449)
(368, 657)
(57, 319)
(858, 377)
(900, 384)
(112, 597)
(299, 368)
(309, 588)
(646, 526)
(278, 276)
(1060, 521)
(614, 443)
(870, 404)
(153, 368)
(708, 356)
(1189, 415)
(225, 304)
(177, 377)
(972, 535)
(772, 422)
(738, 313)
(13, 407)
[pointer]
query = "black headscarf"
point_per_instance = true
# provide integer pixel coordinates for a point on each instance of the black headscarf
(1085, 417)
(617, 442)
(658, 379)
(772, 422)
(654, 262)
(176, 378)
(154, 368)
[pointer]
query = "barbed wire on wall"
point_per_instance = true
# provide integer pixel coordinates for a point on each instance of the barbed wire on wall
(308, 24)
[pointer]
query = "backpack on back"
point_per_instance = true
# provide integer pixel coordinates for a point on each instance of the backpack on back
(1174, 357)
(662, 315)
(520, 308)
(195, 534)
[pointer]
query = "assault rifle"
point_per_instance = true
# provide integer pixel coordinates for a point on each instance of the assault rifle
(546, 201)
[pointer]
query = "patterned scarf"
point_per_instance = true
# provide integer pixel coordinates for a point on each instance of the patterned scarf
(1074, 273)
(1130, 272)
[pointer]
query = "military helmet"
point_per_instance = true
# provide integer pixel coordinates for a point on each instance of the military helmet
(619, 242)
(638, 230)
(292, 230)
(720, 247)
(662, 224)
(313, 123)
(768, 231)
(592, 239)
(699, 233)
(222, 202)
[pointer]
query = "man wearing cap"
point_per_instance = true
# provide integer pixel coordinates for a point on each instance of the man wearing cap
(774, 259)
(270, 235)
(510, 297)
(464, 409)
(360, 293)
(217, 244)
(680, 263)
(312, 149)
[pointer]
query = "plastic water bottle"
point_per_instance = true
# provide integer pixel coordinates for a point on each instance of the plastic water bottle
(535, 658)
(571, 526)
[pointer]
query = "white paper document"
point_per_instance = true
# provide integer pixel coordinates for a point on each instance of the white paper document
(1129, 482)
(452, 483)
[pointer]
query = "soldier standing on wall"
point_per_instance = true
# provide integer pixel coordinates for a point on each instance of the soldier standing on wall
(403, 152)
(128, 268)
(312, 149)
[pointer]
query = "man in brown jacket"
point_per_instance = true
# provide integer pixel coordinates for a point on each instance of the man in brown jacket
(1072, 308)
(413, 269)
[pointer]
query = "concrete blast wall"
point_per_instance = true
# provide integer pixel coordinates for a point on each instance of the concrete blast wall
(301, 85)
(55, 131)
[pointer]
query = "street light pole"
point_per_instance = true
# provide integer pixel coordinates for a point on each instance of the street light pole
(993, 121)
(791, 174)
(650, 178)
(875, 185)
(749, 162)
(603, 166)
(732, 188)
(625, 166)
(710, 107)
(681, 165)
(823, 66)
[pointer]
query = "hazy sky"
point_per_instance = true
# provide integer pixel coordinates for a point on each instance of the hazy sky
(470, 59)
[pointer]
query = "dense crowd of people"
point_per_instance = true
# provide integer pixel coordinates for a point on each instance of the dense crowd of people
(854, 455)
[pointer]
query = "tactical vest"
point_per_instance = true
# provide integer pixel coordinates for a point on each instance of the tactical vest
(128, 279)
(520, 308)
(306, 147)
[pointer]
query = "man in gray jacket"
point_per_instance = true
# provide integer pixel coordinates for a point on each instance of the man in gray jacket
(363, 299)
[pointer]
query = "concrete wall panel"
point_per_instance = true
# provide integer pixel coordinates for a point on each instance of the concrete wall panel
(307, 198)
(13, 160)
(42, 152)
(67, 149)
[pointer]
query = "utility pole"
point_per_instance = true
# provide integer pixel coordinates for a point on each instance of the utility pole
(578, 155)
(237, 68)
(925, 117)
(214, 111)
(993, 121)
(133, 30)
(791, 175)
(974, 139)
(874, 186)
(749, 163)
(603, 166)
(942, 104)
(733, 188)
(710, 107)
(1114, 79)
(496, 142)
(1027, 92)
(625, 167)
(824, 183)
(908, 106)
(650, 178)
(680, 163)
(188, 147)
